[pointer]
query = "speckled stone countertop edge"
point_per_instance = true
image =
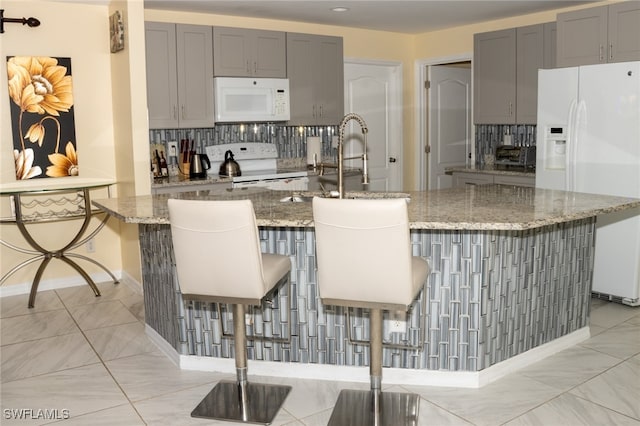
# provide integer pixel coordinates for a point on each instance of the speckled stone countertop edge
(483, 208)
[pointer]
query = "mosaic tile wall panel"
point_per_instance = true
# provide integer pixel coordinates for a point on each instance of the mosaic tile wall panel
(489, 297)
(291, 140)
(489, 136)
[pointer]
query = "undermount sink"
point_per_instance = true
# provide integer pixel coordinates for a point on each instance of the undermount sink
(307, 196)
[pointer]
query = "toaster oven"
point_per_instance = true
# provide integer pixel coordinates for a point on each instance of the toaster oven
(516, 156)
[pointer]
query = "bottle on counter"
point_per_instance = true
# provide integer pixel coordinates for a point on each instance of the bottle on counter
(164, 168)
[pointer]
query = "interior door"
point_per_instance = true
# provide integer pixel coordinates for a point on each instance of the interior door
(373, 92)
(449, 120)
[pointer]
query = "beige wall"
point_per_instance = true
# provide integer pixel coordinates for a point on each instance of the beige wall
(78, 31)
(110, 97)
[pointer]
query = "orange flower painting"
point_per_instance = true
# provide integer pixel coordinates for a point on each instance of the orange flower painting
(41, 101)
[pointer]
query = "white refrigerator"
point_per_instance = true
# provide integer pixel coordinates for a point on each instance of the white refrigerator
(588, 140)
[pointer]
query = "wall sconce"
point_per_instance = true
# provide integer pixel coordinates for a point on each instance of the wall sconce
(31, 22)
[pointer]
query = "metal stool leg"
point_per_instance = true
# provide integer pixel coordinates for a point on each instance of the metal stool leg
(374, 407)
(241, 401)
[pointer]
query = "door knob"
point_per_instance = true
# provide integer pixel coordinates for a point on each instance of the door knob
(392, 159)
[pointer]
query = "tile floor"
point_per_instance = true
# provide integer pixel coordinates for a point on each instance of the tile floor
(88, 359)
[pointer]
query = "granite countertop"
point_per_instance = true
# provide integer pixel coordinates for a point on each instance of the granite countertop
(492, 170)
(484, 207)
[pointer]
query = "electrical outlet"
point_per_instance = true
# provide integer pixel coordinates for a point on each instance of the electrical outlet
(90, 245)
(248, 319)
(334, 141)
(172, 146)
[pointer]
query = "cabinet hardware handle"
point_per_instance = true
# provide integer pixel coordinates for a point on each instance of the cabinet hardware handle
(248, 67)
(392, 159)
(321, 111)
(510, 109)
(610, 51)
(314, 112)
(600, 57)
(175, 112)
(255, 68)
(182, 111)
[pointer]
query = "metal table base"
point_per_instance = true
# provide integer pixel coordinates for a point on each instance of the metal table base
(258, 403)
(375, 408)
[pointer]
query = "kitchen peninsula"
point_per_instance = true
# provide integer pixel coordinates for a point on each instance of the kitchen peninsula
(510, 283)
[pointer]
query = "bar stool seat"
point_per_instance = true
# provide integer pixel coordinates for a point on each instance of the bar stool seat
(364, 260)
(218, 259)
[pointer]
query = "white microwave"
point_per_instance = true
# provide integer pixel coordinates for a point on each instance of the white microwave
(244, 99)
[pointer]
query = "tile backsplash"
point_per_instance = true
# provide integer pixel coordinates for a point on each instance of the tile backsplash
(490, 136)
(291, 140)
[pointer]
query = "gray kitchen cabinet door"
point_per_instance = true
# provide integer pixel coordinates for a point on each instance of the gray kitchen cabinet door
(330, 97)
(270, 54)
(162, 90)
(315, 68)
(550, 44)
(624, 32)
(582, 37)
(494, 72)
(244, 52)
(529, 58)
(195, 75)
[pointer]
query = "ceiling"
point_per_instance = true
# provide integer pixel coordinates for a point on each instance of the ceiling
(410, 17)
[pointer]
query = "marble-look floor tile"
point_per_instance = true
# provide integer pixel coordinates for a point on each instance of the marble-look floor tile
(569, 410)
(36, 326)
(175, 409)
(570, 367)
(152, 375)
(124, 415)
(617, 388)
(612, 314)
(310, 396)
(318, 419)
(135, 305)
(12, 306)
(120, 341)
(492, 404)
(622, 342)
(83, 295)
(103, 314)
(79, 390)
(28, 359)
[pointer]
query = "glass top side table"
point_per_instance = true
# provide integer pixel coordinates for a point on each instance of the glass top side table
(54, 200)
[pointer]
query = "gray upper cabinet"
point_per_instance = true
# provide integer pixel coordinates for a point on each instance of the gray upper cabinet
(315, 68)
(243, 52)
(599, 35)
(529, 59)
(506, 65)
(179, 60)
(624, 31)
(494, 75)
(550, 44)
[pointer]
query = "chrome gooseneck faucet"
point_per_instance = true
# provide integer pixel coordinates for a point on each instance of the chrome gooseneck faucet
(341, 158)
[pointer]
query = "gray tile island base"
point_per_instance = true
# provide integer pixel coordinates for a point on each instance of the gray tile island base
(500, 294)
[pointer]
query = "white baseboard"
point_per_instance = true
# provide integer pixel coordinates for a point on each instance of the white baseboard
(398, 376)
(71, 281)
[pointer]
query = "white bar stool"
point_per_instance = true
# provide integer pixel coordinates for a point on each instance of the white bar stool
(364, 260)
(218, 259)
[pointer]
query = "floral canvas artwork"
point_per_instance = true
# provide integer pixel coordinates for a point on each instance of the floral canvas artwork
(42, 117)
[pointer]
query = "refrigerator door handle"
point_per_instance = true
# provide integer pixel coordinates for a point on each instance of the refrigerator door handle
(579, 129)
(571, 139)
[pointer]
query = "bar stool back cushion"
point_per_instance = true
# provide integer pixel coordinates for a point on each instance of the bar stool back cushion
(217, 251)
(364, 253)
